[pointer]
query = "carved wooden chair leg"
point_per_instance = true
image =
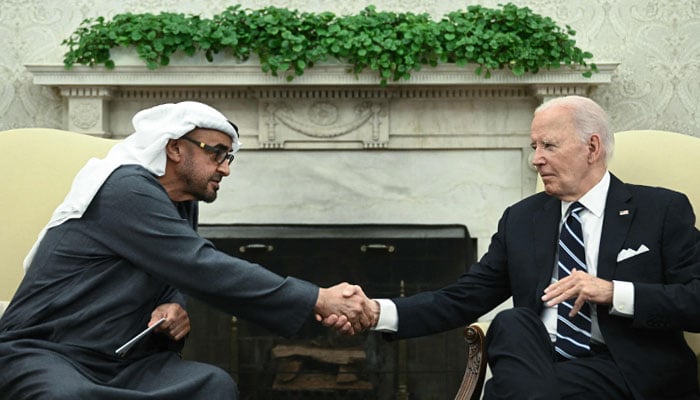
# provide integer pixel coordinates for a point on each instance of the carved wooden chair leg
(473, 379)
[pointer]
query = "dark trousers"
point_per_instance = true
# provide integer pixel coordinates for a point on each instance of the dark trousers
(524, 365)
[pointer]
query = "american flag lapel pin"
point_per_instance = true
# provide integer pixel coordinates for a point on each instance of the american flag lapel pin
(624, 212)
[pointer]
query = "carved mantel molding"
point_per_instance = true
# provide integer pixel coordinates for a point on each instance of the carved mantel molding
(327, 107)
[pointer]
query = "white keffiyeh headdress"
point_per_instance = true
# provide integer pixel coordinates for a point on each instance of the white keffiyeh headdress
(153, 128)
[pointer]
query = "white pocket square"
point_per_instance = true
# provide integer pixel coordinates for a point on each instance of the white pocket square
(628, 253)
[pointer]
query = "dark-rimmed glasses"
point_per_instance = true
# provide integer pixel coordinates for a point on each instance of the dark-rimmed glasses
(220, 154)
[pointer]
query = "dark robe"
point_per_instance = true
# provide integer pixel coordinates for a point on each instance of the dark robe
(94, 282)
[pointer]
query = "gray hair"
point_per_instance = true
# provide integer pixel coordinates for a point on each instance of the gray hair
(588, 118)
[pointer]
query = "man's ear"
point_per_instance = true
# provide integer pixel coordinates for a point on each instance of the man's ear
(595, 149)
(173, 150)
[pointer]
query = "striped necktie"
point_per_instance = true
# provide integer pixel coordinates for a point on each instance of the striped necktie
(573, 333)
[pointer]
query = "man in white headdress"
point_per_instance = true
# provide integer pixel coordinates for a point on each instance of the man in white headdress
(117, 256)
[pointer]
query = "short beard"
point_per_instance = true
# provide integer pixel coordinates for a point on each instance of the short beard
(207, 197)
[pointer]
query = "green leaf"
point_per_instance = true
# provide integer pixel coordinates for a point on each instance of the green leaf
(518, 70)
(393, 43)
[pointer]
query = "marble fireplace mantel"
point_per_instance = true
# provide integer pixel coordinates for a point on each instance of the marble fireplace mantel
(329, 147)
(327, 107)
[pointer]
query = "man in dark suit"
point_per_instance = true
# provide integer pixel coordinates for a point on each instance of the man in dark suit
(636, 289)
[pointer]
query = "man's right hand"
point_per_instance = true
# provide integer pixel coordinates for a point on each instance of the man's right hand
(346, 308)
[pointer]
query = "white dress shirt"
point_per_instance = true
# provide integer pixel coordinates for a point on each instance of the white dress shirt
(592, 223)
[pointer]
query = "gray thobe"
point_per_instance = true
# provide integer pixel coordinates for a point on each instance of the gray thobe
(94, 282)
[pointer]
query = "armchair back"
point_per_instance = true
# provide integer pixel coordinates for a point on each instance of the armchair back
(659, 158)
(38, 166)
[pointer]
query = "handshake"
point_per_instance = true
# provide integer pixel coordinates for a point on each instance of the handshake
(346, 308)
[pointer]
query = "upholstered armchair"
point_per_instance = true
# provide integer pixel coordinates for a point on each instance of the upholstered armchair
(38, 166)
(654, 158)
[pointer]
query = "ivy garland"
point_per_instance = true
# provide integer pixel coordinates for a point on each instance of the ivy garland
(288, 42)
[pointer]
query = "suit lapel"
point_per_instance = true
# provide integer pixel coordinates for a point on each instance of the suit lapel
(545, 224)
(619, 213)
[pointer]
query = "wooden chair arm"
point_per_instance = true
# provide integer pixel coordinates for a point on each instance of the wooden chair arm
(473, 379)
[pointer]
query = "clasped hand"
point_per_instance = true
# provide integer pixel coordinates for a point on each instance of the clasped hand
(345, 308)
(582, 286)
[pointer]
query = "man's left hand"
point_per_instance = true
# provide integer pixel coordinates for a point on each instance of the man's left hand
(582, 286)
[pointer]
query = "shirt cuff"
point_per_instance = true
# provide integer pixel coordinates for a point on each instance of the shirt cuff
(388, 316)
(623, 299)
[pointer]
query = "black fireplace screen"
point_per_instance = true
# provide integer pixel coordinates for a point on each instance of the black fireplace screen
(387, 261)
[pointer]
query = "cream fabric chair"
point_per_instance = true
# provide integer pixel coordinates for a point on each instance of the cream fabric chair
(38, 166)
(653, 158)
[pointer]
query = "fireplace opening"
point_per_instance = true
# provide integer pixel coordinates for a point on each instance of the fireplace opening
(387, 261)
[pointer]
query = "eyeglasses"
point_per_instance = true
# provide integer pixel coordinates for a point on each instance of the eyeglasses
(220, 154)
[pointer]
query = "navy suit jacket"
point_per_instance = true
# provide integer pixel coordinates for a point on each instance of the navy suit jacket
(649, 348)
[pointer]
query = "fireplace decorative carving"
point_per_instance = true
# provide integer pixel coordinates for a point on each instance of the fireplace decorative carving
(331, 117)
(334, 103)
